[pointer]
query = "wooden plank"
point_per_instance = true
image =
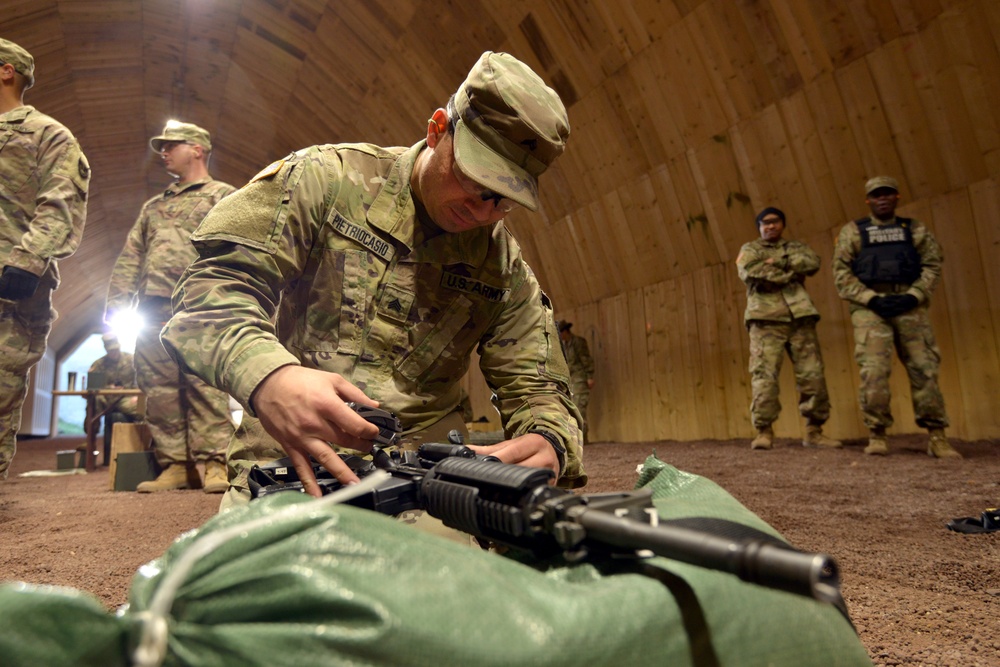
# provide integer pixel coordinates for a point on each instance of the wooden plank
(655, 252)
(985, 200)
(685, 213)
(721, 187)
(949, 121)
(748, 149)
(771, 46)
(660, 249)
(739, 81)
(649, 80)
(671, 367)
(826, 108)
(733, 352)
(869, 126)
(689, 96)
(836, 341)
(817, 181)
(804, 39)
(845, 40)
(972, 327)
(973, 50)
(913, 139)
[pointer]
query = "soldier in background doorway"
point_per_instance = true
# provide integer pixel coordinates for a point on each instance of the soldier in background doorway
(581, 370)
(44, 177)
(118, 370)
(886, 268)
(780, 318)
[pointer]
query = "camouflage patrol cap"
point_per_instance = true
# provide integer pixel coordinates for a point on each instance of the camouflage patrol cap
(881, 182)
(111, 342)
(175, 130)
(509, 127)
(22, 62)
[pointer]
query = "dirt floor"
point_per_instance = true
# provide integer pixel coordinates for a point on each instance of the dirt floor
(918, 593)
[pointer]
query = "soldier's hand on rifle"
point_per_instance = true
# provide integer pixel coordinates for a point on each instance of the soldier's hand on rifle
(531, 450)
(305, 409)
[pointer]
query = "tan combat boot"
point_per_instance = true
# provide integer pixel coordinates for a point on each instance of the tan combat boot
(175, 476)
(764, 439)
(938, 445)
(877, 444)
(216, 480)
(815, 438)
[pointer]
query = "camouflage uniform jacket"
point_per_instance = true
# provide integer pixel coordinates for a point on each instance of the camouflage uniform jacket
(158, 247)
(44, 178)
(581, 364)
(851, 289)
(121, 374)
(775, 291)
(322, 260)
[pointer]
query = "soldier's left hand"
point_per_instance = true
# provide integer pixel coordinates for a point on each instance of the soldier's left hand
(530, 450)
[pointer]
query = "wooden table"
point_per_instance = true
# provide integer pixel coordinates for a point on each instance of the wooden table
(91, 424)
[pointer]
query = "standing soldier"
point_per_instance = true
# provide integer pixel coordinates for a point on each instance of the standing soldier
(189, 420)
(581, 369)
(781, 318)
(359, 273)
(44, 178)
(886, 268)
(118, 370)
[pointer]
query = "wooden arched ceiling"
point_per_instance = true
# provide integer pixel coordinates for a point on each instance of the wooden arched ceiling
(687, 115)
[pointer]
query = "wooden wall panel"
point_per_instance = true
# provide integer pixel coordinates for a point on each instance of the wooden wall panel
(975, 340)
(688, 116)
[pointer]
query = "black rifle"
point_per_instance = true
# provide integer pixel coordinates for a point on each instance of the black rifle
(516, 506)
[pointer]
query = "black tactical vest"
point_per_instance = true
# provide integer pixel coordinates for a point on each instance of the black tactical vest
(887, 253)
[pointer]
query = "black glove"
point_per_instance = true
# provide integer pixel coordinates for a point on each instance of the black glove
(17, 284)
(892, 305)
(878, 305)
(904, 303)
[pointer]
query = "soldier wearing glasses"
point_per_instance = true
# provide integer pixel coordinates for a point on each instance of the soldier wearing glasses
(188, 419)
(359, 273)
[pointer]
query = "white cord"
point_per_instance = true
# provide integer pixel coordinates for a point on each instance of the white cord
(152, 647)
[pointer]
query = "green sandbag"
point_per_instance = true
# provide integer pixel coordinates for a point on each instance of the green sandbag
(315, 584)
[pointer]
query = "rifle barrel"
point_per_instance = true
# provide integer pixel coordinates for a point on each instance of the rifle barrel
(754, 561)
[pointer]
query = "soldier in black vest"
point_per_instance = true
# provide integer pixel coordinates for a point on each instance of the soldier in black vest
(886, 267)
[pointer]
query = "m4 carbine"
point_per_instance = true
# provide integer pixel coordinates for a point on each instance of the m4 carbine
(517, 506)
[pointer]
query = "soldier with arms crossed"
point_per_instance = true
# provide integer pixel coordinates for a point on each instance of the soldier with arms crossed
(360, 273)
(781, 318)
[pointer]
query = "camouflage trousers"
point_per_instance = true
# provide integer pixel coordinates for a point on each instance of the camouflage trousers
(188, 419)
(769, 341)
(913, 339)
(24, 330)
(581, 398)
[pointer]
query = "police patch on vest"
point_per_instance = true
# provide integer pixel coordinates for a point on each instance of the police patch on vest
(468, 285)
(892, 234)
(361, 235)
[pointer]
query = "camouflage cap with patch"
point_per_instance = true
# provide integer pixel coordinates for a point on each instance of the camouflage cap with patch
(15, 56)
(509, 127)
(111, 342)
(175, 130)
(881, 182)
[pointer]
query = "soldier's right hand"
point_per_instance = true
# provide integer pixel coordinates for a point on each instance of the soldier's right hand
(17, 284)
(305, 409)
